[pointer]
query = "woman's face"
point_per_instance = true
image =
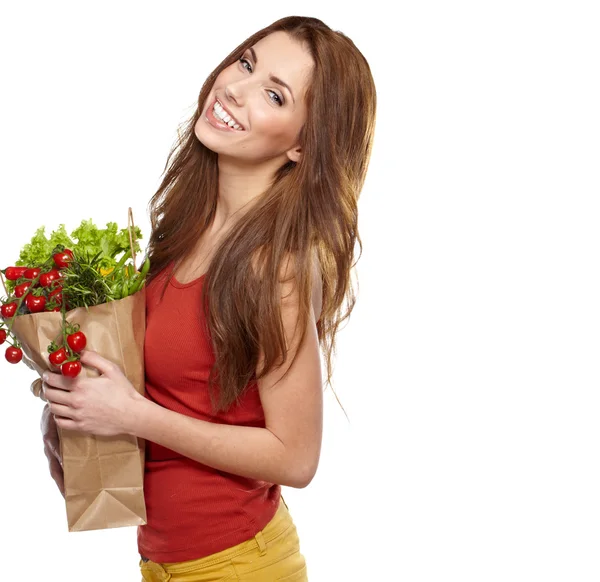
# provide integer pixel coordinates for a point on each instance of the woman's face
(256, 109)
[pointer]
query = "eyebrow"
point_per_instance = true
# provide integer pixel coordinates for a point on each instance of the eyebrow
(273, 77)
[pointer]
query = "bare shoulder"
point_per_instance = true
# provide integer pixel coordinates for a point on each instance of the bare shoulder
(289, 289)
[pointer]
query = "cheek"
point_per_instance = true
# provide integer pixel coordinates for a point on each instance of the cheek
(197, 126)
(274, 124)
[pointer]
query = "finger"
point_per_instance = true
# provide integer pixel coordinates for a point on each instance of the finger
(95, 360)
(60, 410)
(56, 396)
(58, 380)
(66, 423)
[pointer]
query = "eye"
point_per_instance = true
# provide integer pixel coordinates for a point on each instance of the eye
(279, 100)
(275, 97)
(246, 61)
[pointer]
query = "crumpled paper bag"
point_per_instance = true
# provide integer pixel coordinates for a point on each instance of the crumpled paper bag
(104, 476)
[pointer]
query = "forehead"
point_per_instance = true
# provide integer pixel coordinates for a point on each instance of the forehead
(285, 57)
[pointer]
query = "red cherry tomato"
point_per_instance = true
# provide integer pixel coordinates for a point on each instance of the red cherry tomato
(2, 336)
(21, 289)
(32, 273)
(35, 304)
(54, 298)
(61, 260)
(8, 309)
(77, 341)
(48, 279)
(13, 355)
(71, 369)
(56, 294)
(14, 273)
(58, 357)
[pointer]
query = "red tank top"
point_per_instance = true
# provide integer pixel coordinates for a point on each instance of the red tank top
(193, 510)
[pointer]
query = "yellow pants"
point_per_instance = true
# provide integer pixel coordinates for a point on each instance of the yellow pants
(273, 555)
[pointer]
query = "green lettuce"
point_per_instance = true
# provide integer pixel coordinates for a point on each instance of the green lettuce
(87, 241)
(39, 249)
(109, 242)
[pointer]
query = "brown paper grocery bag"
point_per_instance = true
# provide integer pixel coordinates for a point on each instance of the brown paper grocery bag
(104, 476)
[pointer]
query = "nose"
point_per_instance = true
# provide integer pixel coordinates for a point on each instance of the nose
(234, 93)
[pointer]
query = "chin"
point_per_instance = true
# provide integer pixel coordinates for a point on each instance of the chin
(207, 140)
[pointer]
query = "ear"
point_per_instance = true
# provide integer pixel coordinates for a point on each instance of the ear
(294, 154)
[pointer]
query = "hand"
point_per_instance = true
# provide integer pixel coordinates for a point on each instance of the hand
(52, 448)
(103, 405)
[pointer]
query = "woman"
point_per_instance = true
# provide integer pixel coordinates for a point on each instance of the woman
(253, 233)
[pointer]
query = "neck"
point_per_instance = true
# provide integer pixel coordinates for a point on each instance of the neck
(239, 185)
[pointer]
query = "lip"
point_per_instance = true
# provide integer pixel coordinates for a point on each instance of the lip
(217, 123)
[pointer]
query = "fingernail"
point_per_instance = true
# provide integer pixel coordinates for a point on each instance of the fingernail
(45, 376)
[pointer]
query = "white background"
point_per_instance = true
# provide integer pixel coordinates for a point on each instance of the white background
(469, 368)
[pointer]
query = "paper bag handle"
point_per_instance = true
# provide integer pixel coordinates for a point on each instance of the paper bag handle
(130, 227)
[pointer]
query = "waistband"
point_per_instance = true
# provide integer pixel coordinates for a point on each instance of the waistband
(281, 522)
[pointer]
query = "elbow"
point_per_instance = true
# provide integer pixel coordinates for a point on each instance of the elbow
(301, 474)
(304, 481)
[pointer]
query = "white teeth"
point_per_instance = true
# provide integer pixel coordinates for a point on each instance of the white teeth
(223, 116)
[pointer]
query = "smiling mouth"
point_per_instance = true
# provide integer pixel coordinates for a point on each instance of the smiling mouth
(223, 116)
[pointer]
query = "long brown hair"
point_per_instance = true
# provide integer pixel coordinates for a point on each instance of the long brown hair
(309, 210)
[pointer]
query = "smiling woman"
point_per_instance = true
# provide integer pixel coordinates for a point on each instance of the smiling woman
(254, 228)
(250, 100)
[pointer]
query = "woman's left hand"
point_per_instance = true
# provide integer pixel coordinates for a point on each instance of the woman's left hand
(104, 405)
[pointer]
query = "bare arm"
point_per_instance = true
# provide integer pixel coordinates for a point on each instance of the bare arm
(287, 450)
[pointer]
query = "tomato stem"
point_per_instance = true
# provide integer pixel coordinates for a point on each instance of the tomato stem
(64, 331)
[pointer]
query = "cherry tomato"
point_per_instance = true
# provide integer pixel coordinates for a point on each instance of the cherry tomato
(48, 279)
(56, 294)
(71, 369)
(13, 355)
(61, 260)
(2, 336)
(14, 273)
(58, 357)
(35, 304)
(77, 341)
(21, 289)
(8, 309)
(32, 273)
(54, 300)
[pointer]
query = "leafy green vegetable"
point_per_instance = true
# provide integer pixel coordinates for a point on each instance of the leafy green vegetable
(109, 242)
(40, 248)
(83, 284)
(86, 241)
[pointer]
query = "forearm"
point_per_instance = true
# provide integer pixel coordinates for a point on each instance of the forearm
(242, 450)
